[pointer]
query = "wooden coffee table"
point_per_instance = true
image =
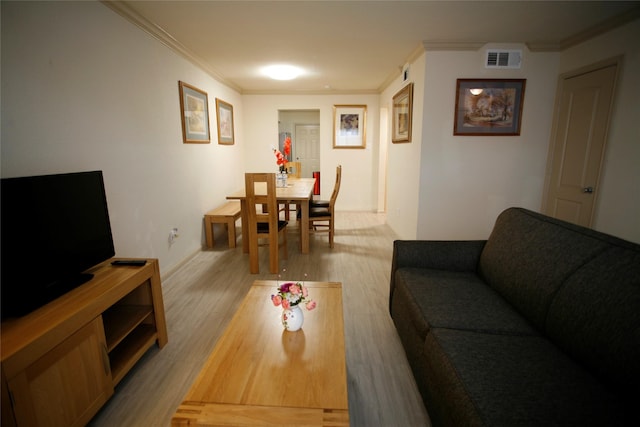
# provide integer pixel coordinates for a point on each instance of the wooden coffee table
(259, 374)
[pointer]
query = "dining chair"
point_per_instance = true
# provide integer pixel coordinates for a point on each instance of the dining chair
(322, 218)
(294, 169)
(263, 224)
(325, 203)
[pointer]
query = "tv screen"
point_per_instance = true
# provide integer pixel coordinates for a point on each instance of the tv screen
(53, 228)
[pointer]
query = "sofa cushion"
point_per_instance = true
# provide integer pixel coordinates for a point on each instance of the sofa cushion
(595, 317)
(528, 256)
(457, 300)
(434, 254)
(501, 380)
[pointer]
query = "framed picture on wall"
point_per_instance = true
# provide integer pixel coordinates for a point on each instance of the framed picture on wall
(349, 126)
(194, 111)
(488, 107)
(224, 114)
(402, 114)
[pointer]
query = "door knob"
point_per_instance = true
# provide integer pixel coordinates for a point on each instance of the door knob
(588, 190)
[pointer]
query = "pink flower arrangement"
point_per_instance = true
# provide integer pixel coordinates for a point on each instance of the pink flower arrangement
(291, 294)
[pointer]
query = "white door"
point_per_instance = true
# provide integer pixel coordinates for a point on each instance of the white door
(578, 143)
(307, 148)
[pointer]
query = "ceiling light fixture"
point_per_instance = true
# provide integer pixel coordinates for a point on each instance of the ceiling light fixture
(476, 92)
(282, 72)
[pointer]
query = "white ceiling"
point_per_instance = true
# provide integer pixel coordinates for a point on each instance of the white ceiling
(356, 46)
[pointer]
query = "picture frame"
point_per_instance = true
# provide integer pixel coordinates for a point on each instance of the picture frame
(402, 115)
(489, 107)
(194, 114)
(224, 116)
(349, 126)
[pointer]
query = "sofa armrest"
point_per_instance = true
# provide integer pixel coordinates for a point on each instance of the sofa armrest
(453, 255)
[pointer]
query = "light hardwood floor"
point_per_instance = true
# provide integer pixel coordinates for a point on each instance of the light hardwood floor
(201, 296)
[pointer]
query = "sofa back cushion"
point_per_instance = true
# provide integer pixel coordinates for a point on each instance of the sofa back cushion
(595, 318)
(528, 256)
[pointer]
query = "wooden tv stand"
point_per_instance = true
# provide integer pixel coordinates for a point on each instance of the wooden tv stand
(61, 362)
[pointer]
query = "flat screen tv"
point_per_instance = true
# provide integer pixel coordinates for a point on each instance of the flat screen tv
(53, 228)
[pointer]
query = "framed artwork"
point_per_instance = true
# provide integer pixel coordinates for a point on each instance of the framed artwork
(349, 126)
(488, 106)
(224, 114)
(194, 110)
(402, 114)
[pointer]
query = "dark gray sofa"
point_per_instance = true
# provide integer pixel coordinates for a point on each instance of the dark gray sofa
(537, 326)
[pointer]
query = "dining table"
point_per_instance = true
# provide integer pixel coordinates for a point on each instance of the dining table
(297, 190)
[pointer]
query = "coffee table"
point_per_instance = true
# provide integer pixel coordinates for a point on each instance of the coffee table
(259, 374)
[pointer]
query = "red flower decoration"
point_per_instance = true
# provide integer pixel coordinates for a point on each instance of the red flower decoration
(287, 146)
(280, 159)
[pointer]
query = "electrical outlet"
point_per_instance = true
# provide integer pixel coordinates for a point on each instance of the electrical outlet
(173, 235)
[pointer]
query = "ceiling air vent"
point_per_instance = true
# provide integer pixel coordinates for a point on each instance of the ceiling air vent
(498, 58)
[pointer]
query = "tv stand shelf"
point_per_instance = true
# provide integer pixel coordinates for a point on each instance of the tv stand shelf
(61, 362)
(123, 321)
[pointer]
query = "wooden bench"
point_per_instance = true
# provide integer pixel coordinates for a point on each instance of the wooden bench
(226, 214)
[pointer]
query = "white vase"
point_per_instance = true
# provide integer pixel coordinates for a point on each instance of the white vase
(292, 318)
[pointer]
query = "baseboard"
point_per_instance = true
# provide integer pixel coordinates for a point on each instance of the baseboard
(179, 265)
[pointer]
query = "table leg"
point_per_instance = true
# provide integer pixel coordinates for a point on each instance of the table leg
(244, 219)
(304, 227)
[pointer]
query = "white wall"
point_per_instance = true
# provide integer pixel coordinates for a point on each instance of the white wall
(618, 202)
(83, 89)
(467, 181)
(358, 190)
(442, 186)
(403, 159)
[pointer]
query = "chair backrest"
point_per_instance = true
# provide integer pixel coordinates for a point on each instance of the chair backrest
(294, 169)
(260, 190)
(336, 188)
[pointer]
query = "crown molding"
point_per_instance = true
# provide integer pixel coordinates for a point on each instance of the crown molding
(123, 9)
(545, 46)
(310, 92)
(589, 33)
(419, 50)
(435, 45)
(157, 32)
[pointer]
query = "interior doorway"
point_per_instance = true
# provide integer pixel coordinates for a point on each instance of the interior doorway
(578, 144)
(303, 126)
(307, 151)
